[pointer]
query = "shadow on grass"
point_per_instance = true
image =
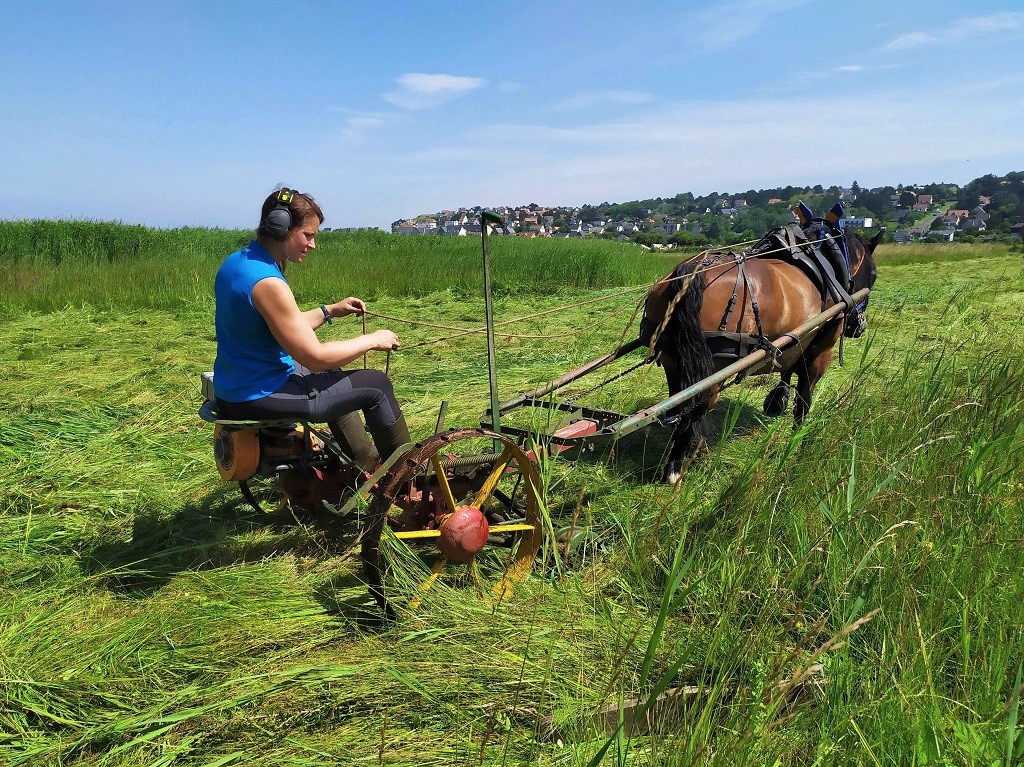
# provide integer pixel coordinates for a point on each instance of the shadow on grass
(222, 531)
(639, 457)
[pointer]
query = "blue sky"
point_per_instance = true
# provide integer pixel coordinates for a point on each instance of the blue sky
(190, 113)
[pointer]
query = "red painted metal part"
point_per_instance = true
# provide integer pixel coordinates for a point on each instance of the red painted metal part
(463, 534)
(582, 428)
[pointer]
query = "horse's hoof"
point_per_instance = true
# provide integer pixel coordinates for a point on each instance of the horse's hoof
(777, 401)
(673, 472)
(856, 326)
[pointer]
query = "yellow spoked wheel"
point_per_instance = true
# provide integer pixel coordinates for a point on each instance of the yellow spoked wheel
(463, 508)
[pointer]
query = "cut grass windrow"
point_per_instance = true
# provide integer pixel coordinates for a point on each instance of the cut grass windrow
(150, 617)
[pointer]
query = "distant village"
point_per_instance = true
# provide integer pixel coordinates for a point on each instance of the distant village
(935, 212)
(527, 221)
(951, 220)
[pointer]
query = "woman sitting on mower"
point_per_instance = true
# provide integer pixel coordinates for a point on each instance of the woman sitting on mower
(271, 365)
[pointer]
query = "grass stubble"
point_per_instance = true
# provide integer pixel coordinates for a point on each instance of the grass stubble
(848, 592)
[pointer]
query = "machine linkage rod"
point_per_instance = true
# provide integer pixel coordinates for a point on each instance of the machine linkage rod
(571, 376)
(649, 415)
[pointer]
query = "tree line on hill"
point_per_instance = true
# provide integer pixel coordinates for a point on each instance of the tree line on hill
(717, 218)
(989, 207)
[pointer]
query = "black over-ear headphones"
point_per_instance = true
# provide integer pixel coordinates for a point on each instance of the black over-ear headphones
(278, 222)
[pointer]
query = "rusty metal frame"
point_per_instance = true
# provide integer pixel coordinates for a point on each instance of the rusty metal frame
(611, 426)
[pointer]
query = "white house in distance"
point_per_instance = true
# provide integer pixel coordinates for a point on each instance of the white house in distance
(856, 223)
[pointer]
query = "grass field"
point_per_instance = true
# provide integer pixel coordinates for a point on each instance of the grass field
(848, 593)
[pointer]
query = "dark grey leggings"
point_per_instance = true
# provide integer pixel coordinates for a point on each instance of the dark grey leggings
(323, 397)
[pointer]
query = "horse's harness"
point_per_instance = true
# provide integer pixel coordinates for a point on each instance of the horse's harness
(726, 345)
(822, 259)
(818, 248)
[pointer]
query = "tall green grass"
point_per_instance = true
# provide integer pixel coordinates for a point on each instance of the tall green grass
(57, 264)
(846, 593)
(932, 252)
(54, 264)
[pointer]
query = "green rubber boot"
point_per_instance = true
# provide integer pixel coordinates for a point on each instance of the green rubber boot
(390, 438)
(350, 434)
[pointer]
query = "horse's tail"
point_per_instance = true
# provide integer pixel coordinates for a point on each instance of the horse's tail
(682, 337)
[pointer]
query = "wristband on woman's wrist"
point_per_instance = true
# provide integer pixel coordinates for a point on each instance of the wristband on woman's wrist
(327, 314)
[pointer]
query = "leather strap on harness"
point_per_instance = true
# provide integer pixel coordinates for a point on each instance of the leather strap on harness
(818, 247)
(760, 340)
(741, 274)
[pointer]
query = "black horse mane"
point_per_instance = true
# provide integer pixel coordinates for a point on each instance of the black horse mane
(866, 275)
(683, 338)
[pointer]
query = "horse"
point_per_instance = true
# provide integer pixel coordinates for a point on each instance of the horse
(740, 302)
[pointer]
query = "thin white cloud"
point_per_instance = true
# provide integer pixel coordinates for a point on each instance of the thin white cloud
(588, 100)
(419, 91)
(725, 25)
(684, 145)
(960, 31)
(357, 125)
(983, 25)
(360, 126)
(910, 40)
(801, 79)
(366, 121)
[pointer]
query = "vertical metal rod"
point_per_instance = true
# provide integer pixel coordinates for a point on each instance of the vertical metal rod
(440, 416)
(364, 333)
(428, 469)
(492, 371)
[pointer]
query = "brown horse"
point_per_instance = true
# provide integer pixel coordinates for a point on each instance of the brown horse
(763, 297)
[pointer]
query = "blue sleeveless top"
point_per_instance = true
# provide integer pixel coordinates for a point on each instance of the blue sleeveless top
(250, 362)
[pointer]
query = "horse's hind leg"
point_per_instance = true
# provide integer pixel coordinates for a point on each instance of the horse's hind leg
(810, 371)
(682, 432)
(681, 439)
(684, 444)
(777, 401)
(684, 441)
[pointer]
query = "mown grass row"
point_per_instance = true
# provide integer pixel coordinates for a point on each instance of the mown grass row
(204, 632)
(150, 618)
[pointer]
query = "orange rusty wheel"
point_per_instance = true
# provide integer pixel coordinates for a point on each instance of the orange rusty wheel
(471, 492)
(236, 451)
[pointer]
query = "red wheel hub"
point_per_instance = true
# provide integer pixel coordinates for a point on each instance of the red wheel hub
(463, 534)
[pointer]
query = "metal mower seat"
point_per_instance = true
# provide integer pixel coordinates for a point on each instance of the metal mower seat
(208, 412)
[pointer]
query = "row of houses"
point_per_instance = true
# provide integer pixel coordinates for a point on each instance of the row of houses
(544, 226)
(539, 221)
(952, 221)
(532, 221)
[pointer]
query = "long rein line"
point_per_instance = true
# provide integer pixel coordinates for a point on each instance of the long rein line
(462, 331)
(473, 331)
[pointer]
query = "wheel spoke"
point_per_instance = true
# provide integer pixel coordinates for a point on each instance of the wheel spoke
(491, 482)
(442, 480)
(514, 528)
(409, 535)
(435, 573)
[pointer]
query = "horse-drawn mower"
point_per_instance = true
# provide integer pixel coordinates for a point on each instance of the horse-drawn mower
(470, 500)
(465, 498)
